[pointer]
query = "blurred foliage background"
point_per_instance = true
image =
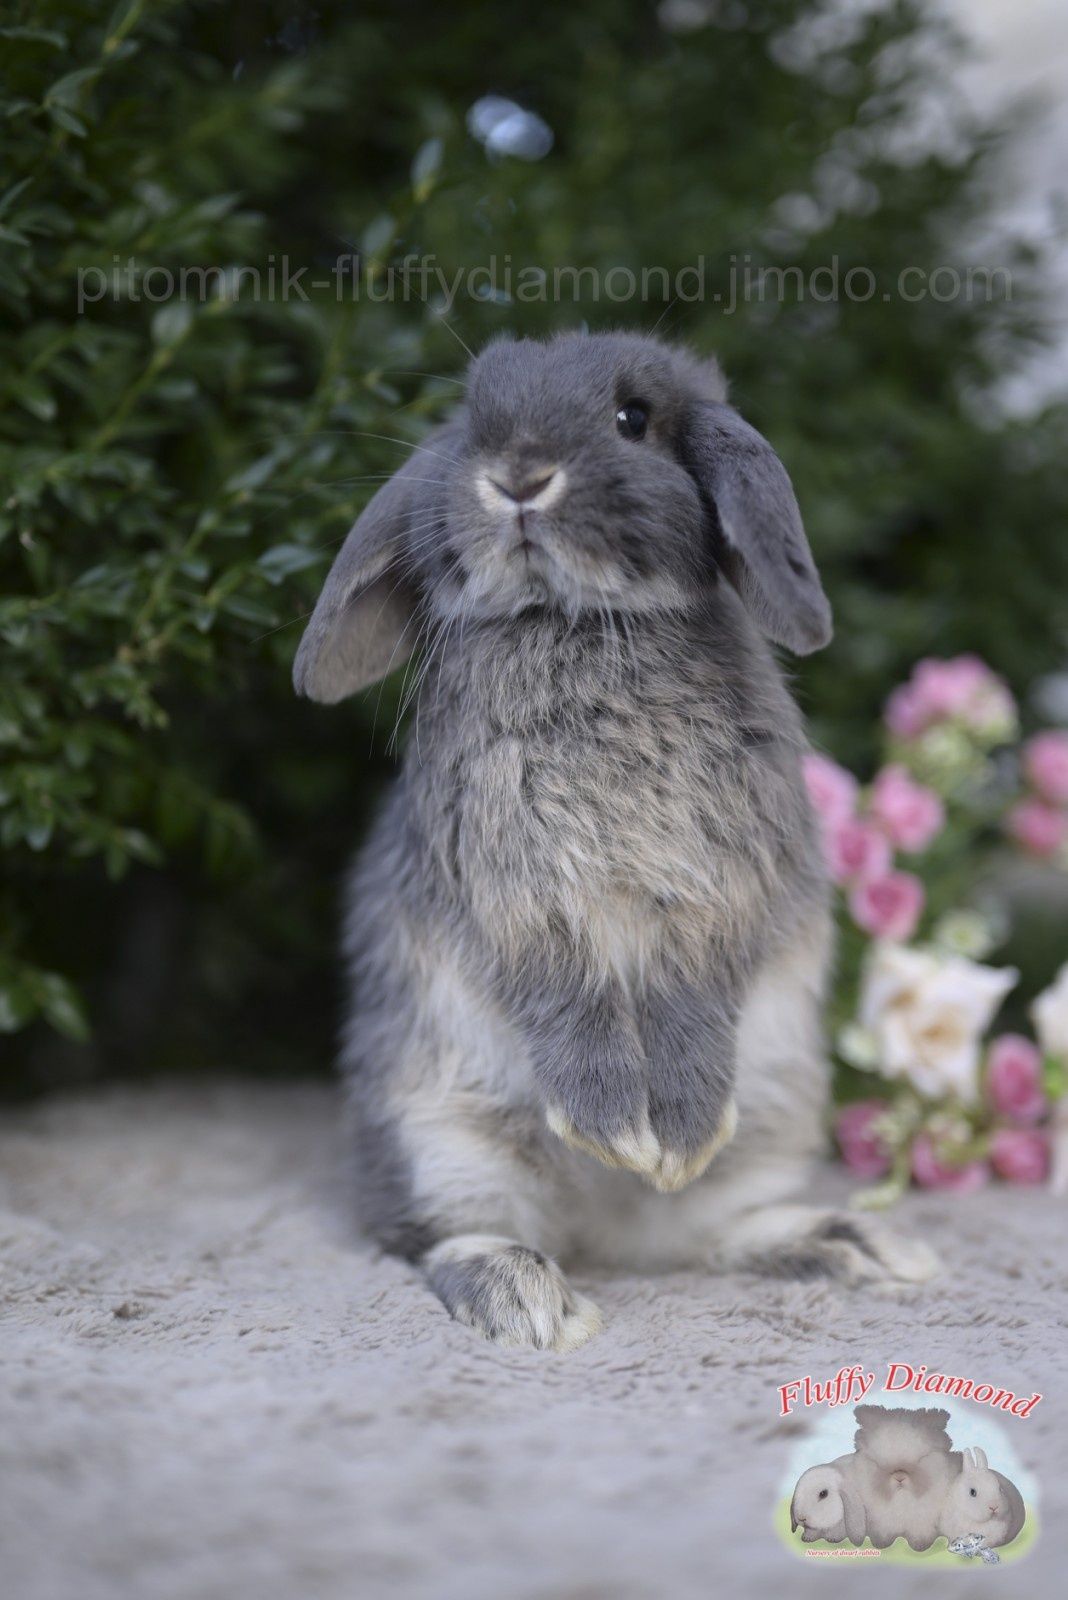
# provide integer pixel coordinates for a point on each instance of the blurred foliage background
(176, 474)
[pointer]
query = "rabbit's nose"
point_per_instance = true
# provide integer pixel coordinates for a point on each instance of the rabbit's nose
(526, 487)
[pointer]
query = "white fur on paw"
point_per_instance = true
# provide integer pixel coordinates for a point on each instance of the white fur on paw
(635, 1149)
(579, 1324)
(639, 1150)
(871, 1254)
(675, 1170)
(907, 1260)
(510, 1294)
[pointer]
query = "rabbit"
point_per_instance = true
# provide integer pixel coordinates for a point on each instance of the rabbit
(826, 1505)
(904, 1468)
(589, 933)
(983, 1502)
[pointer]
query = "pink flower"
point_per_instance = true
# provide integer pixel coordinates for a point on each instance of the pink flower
(888, 907)
(863, 1151)
(908, 813)
(831, 789)
(931, 1171)
(964, 689)
(949, 688)
(1014, 1078)
(855, 851)
(1046, 764)
(1020, 1155)
(905, 713)
(1037, 827)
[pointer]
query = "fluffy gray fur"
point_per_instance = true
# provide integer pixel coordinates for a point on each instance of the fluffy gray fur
(588, 934)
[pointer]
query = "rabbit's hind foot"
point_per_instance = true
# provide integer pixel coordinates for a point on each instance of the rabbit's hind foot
(795, 1241)
(509, 1293)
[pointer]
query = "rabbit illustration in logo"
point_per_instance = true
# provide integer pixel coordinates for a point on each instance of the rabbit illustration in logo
(905, 1480)
(983, 1502)
(826, 1504)
(904, 1468)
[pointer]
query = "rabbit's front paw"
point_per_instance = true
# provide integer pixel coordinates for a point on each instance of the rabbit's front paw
(510, 1294)
(635, 1148)
(688, 1033)
(677, 1168)
(639, 1149)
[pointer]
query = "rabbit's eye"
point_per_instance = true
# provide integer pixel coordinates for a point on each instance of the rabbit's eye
(822, 1495)
(632, 419)
(973, 1493)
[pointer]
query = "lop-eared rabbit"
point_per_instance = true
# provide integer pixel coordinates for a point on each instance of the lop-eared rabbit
(589, 932)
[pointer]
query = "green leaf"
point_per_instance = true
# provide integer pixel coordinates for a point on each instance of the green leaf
(39, 827)
(255, 475)
(63, 1007)
(17, 1004)
(378, 236)
(121, 19)
(248, 610)
(48, 36)
(8, 198)
(67, 91)
(285, 559)
(68, 121)
(171, 323)
(1055, 1077)
(425, 168)
(34, 395)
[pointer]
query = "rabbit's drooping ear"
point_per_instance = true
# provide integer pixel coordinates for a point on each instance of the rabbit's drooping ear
(364, 623)
(764, 551)
(853, 1515)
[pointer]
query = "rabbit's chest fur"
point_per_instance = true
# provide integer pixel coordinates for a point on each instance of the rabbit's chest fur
(630, 791)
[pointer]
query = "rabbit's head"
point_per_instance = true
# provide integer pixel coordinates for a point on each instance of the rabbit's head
(825, 1506)
(592, 472)
(983, 1501)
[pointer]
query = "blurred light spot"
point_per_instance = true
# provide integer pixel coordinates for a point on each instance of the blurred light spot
(505, 129)
(684, 16)
(689, 16)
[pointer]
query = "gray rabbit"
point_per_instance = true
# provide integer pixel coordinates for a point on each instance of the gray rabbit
(589, 932)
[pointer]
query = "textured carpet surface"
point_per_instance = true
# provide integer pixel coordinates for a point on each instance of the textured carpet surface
(211, 1388)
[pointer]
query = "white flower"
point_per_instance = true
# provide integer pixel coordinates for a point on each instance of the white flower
(1050, 1014)
(965, 933)
(928, 1012)
(857, 1046)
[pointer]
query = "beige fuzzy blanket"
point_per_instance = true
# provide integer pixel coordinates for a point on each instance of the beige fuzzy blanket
(210, 1389)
